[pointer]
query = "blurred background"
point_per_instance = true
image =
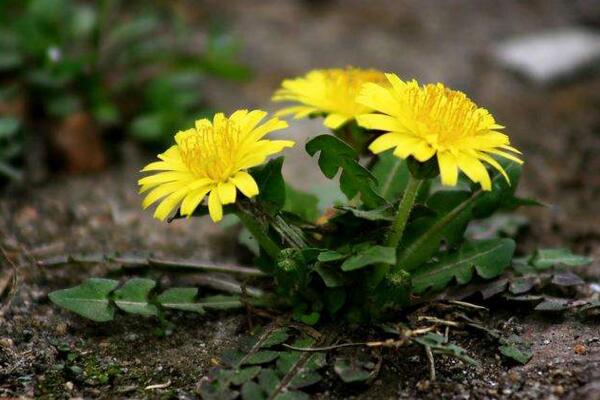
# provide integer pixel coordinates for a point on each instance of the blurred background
(91, 90)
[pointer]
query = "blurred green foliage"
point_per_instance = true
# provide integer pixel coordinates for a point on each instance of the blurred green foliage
(132, 65)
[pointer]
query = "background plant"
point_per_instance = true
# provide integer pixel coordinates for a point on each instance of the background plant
(127, 66)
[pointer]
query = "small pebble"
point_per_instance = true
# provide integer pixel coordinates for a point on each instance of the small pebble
(558, 390)
(580, 349)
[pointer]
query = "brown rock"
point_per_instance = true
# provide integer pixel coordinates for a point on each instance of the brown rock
(580, 349)
(78, 144)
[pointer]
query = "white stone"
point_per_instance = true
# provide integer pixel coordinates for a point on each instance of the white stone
(550, 56)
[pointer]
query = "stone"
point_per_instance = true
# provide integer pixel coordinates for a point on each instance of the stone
(549, 57)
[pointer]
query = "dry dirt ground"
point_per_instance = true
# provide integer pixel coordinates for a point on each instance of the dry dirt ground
(48, 353)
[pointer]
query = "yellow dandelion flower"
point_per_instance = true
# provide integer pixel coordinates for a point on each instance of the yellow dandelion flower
(432, 120)
(211, 159)
(329, 91)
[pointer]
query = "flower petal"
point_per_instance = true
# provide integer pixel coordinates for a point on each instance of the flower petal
(192, 199)
(448, 168)
(160, 192)
(378, 98)
(226, 192)
(380, 122)
(385, 142)
(169, 203)
(334, 121)
(245, 183)
(475, 170)
(215, 208)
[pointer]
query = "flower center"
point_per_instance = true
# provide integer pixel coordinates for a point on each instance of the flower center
(446, 116)
(211, 150)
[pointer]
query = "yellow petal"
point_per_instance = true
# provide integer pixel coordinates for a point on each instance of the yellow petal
(182, 135)
(226, 192)
(422, 151)
(252, 119)
(448, 168)
(385, 142)
(504, 154)
(192, 199)
(380, 122)
(165, 177)
(271, 125)
(258, 152)
(160, 192)
(238, 116)
(157, 166)
(378, 98)
(245, 183)
(494, 164)
(398, 84)
(334, 121)
(215, 208)
(475, 170)
(298, 111)
(169, 203)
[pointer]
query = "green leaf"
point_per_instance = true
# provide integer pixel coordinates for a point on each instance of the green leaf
(261, 357)
(288, 360)
(132, 297)
(220, 302)
(330, 276)
(277, 336)
(516, 354)
(243, 375)
(392, 292)
(452, 211)
(180, 299)
(252, 391)
(304, 379)
(10, 60)
(270, 183)
(304, 205)
(553, 305)
(335, 154)
(90, 299)
(488, 257)
(513, 347)
(292, 395)
(353, 369)
(335, 299)
(330, 255)
(548, 258)
(391, 173)
(148, 128)
(370, 256)
(268, 380)
(438, 344)
(9, 126)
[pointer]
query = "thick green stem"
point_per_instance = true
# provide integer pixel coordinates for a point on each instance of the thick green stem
(404, 209)
(397, 229)
(259, 232)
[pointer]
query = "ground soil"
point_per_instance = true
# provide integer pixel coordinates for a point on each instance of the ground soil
(49, 353)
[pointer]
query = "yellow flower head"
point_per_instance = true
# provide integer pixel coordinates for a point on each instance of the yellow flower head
(211, 159)
(329, 91)
(432, 120)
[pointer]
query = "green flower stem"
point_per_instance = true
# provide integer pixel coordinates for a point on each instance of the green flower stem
(398, 226)
(289, 233)
(404, 209)
(259, 232)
